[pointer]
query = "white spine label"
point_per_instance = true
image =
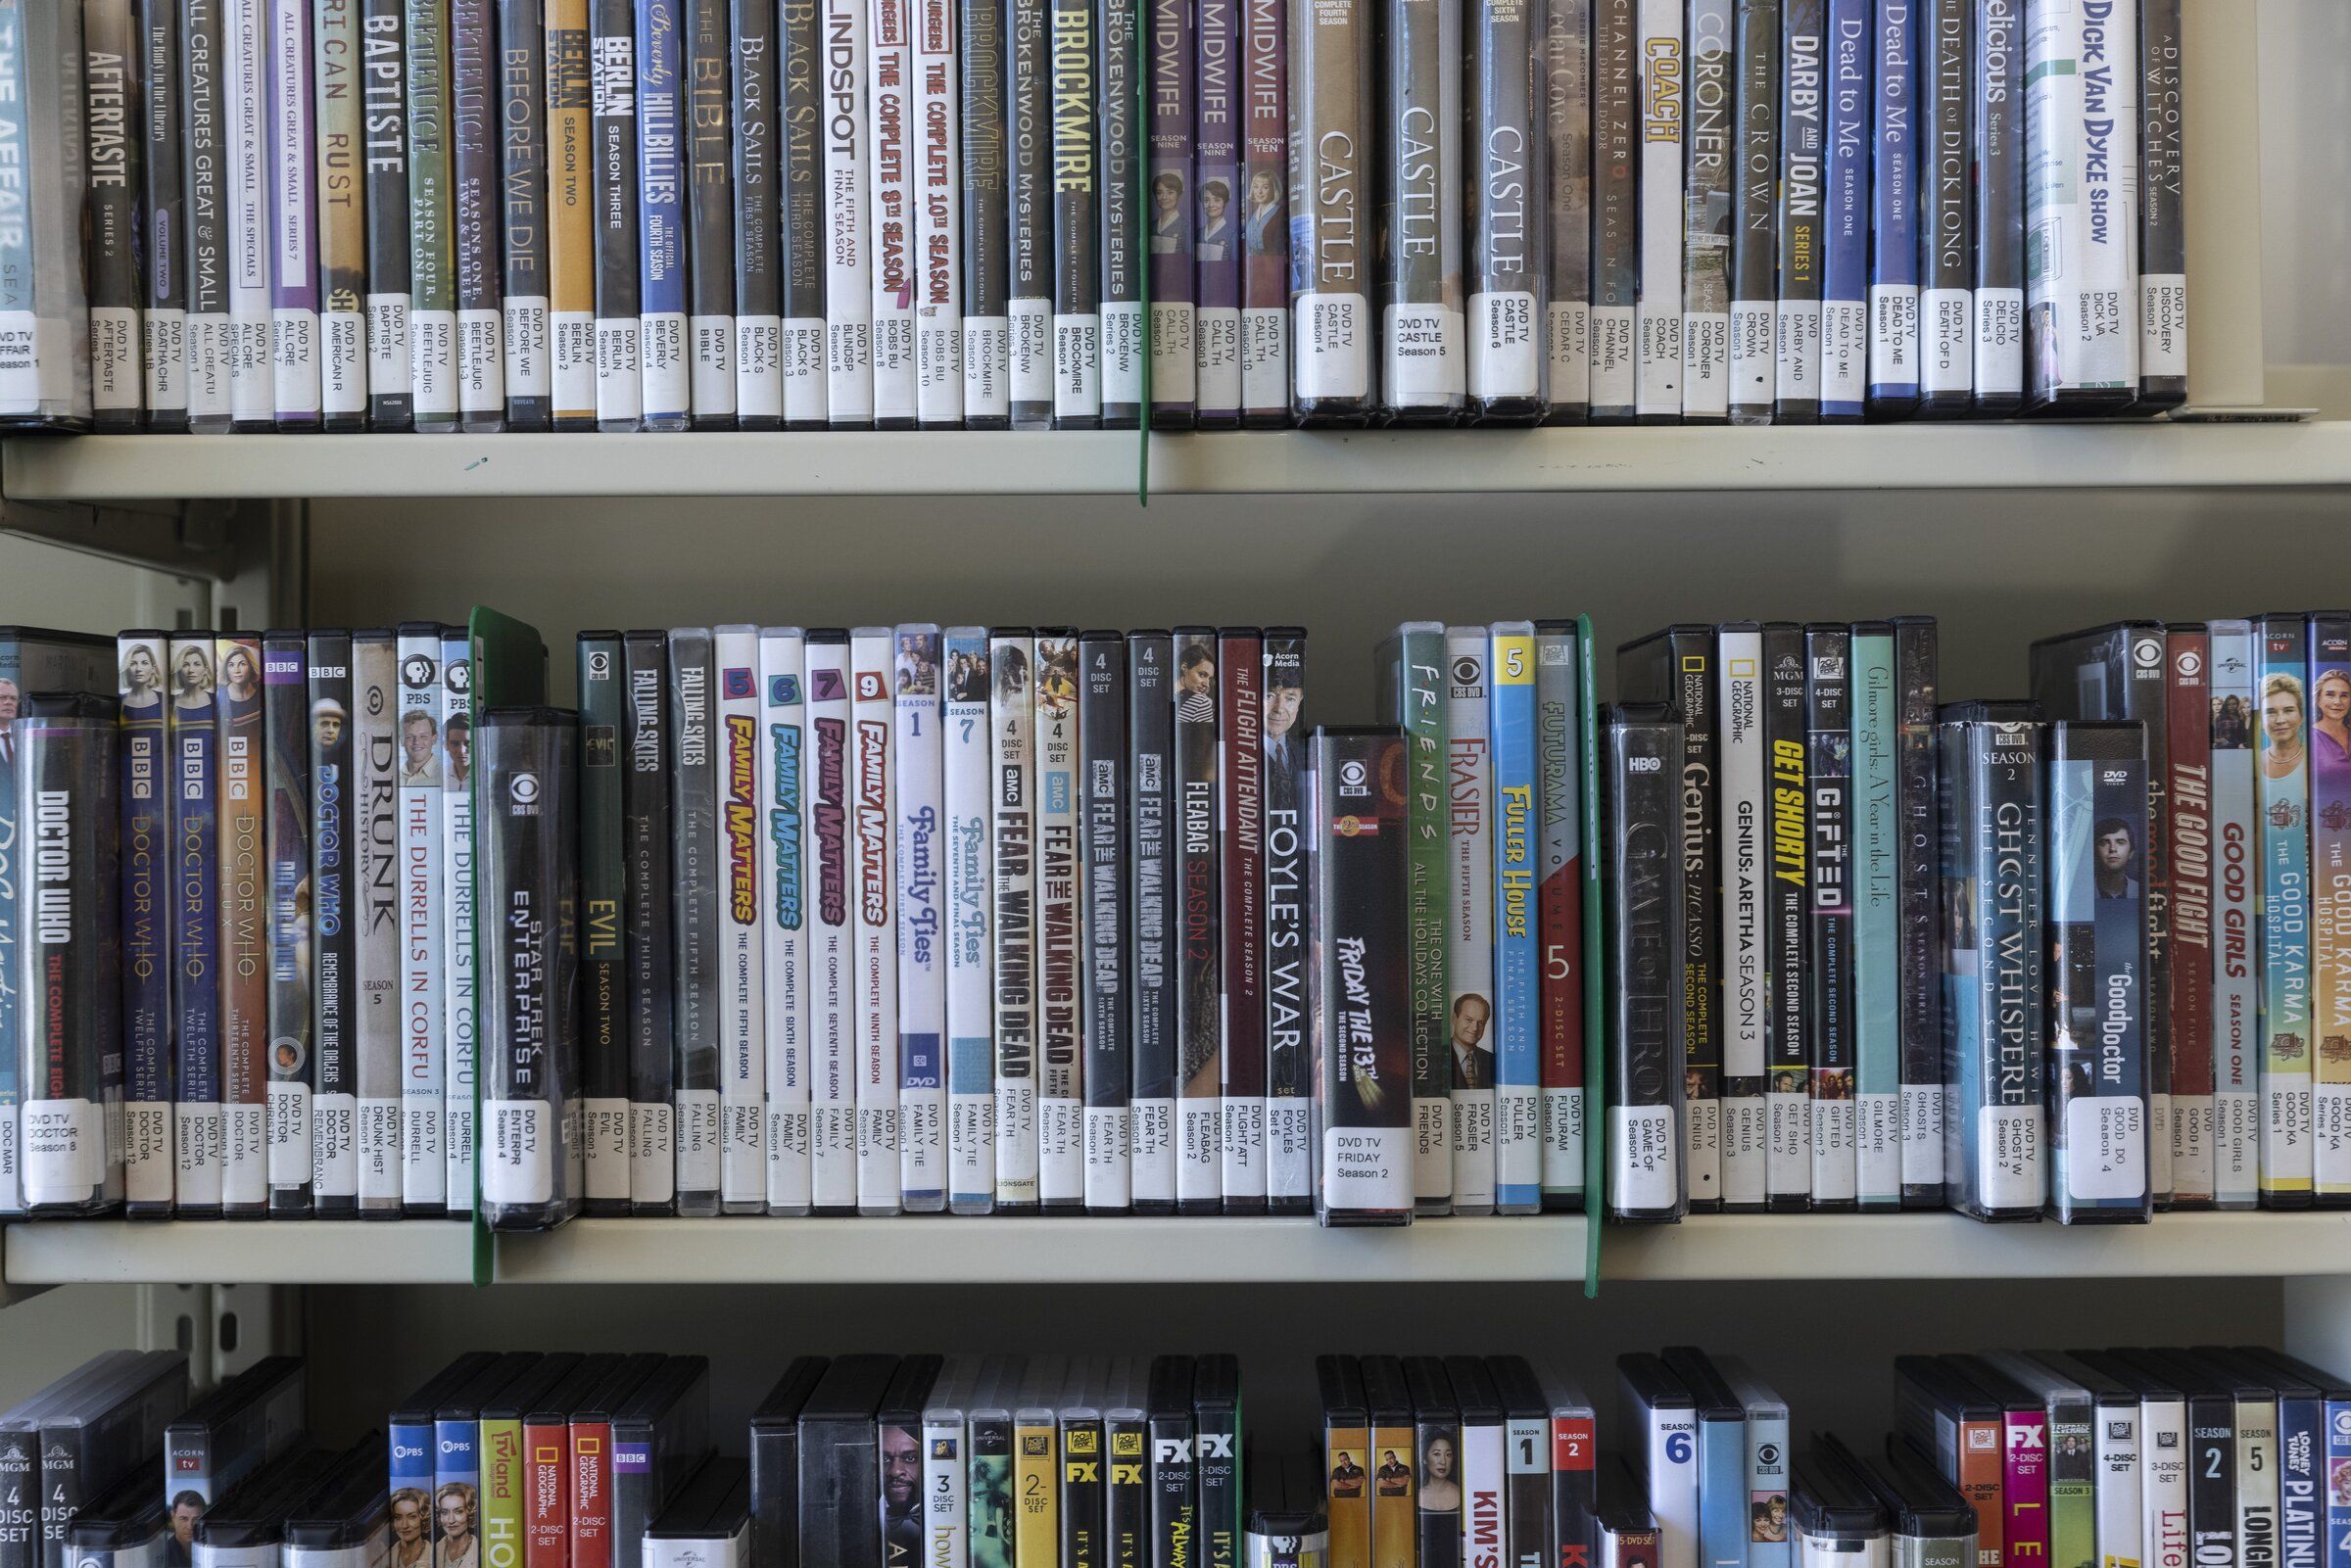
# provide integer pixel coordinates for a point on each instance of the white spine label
(987, 367)
(388, 345)
(712, 377)
(1922, 1134)
(166, 360)
(1503, 357)
(698, 1140)
(1880, 1116)
(1641, 1163)
(147, 1151)
(1175, 367)
(1031, 351)
(64, 1151)
(1893, 335)
(2163, 324)
(334, 1146)
(1945, 324)
(2008, 1171)
(619, 390)
(2107, 1145)
(1334, 348)
(1798, 323)
(1077, 368)
(1266, 357)
(1613, 369)
(1999, 342)
(665, 371)
(343, 371)
(1705, 366)
(1123, 353)
(653, 1153)
(1424, 353)
(758, 367)
(196, 1133)
(604, 1125)
(518, 1164)
(528, 374)
(114, 380)
(1568, 343)
(289, 1133)
(1844, 351)
(1755, 357)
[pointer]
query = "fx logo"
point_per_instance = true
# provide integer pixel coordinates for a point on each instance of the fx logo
(1170, 1450)
(1216, 1444)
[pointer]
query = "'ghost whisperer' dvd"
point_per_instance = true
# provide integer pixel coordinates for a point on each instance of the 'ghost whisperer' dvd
(531, 1159)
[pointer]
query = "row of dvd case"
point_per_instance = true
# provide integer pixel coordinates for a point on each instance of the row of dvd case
(2083, 952)
(785, 921)
(616, 214)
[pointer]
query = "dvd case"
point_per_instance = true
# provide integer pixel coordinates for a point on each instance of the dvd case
(1289, 1057)
(1645, 1180)
(243, 943)
(1158, 917)
(2236, 920)
(1103, 780)
(1330, 185)
(381, 952)
(1059, 941)
(741, 948)
(149, 939)
(458, 983)
(1847, 139)
(1517, 1064)
(921, 839)
(1241, 958)
(287, 837)
(1802, 229)
(1013, 825)
(970, 915)
(875, 952)
(1742, 829)
(604, 1085)
(646, 891)
(1423, 364)
(832, 1015)
(1506, 262)
(695, 1054)
(783, 896)
(986, 281)
(1873, 834)
(1197, 950)
(1786, 1058)
(1409, 668)
(1470, 916)
(334, 1002)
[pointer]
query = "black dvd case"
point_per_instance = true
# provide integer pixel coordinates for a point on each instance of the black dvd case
(1642, 782)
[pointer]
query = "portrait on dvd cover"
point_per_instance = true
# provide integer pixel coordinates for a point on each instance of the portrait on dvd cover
(1170, 234)
(967, 676)
(142, 683)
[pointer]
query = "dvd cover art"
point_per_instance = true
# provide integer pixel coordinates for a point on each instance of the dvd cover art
(987, 282)
(379, 895)
(432, 281)
(1645, 1181)
(784, 913)
(1076, 219)
(938, 216)
(1803, 232)
(160, 274)
(754, 169)
(848, 257)
(1411, 668)
(1566, 109)
(1158, 918)
(1829, 954)
(1565, 983)
(206, 207)
(1470, 916)
(1289, 1057)
(832, 1026)
(342, 277)
(1029, 208)
(1755, 215)
(197, 1124)
(1198, 943)
(285, 698)
(1894, 214)
(799, 229)
(1710, 129)
(742, 1015)
(571, 214)
(1424, 363)
(476, 128)
(1217, 110)
(525, 109)
(1615, 213)
(711, 51)
(1331, 48)
(1060, 1034)
(1947, 216)
(870, 788)
(646, 892)
(969, 910)
(664, 358)
(1013, 811)
(922, 899)
(603, 1085)
(1240, 858)
(1266, 221)
(612, 37)
(694, 932)
(244, 942)
(1846, 132)
(459, 979)
(145, 858)
(110, 88)
(1106, 1031)
(1505, 261)
(889, 102)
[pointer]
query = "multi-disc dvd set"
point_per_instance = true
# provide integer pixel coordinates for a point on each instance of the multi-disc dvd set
(613, 1461)
(664, 214)
(1031, 919)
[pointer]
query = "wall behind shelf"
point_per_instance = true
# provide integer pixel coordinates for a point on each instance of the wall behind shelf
(1999, 568)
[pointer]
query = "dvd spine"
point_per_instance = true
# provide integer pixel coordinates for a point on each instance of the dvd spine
(938, 216)
(1567, 113)
(432, 286)
(741, 948)
(457, 901)
(1743, 834)
(1330, 181)
(1645, 956)
(1918, 944)
(1036, 1478)
(2285, 952)
(196, 955)
(696, 1070)
(969, 931)
(619, 390)
(1615, 213)
(531, 1156)
(1801, 232)
(2329, 907)
(987, 253)
(203, 43)
(391, 400)
(149, 862)
(342, 277)
(571, 190)
(1991, 793)
(1175, 369)
(1108, 1015)
(1829, 932)
(848, 258)
(245, 78)
(1873, 834)
(1425, 369)
(1266, 216)
(1845, 262)
(1075, 219)
(1060, 946)
(1241, 917)
(1788, 1156)
(68, 762)
(1120, 108)
(381, 956)
(2082, 208)
(160, 242)
(1356, 805)
(1411, 666)
(664, 362)
(921, 843)
(646, 902)
(1517, 1064)
(111, 73)
(2189, 802)
(1013, 824)
(1711, 134)
(2097, 1119)
(831, 1027)
(1504, 360)
(1999, 146)
(891, 221)
(1029, 208)
(946, 1490)
(1470, 916)
(1755, 215)
(875, 923)
(710, 137)
(784, 916)
(1158, 917)
(1946, 211)
(800, 228)
(1198, 1171)
(524, 59)
(1289, 1064)
(292, 897)
(2236, 920)
(2162, 215)
(244, 942)
(1893, 212)
(475, 182)
(1559, 910)
(1218, 108)
(1661, 84)
(1126, 1499)
(604, 1082)
(1218, 1470)
(757, 324)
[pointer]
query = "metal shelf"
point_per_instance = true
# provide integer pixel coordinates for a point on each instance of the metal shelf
(188, 1252)
(2006, 457)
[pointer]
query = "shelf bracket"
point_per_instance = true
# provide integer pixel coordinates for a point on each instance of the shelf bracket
(210, 539)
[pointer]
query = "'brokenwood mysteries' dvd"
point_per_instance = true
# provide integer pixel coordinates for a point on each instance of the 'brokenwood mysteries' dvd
(1362, 1003)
